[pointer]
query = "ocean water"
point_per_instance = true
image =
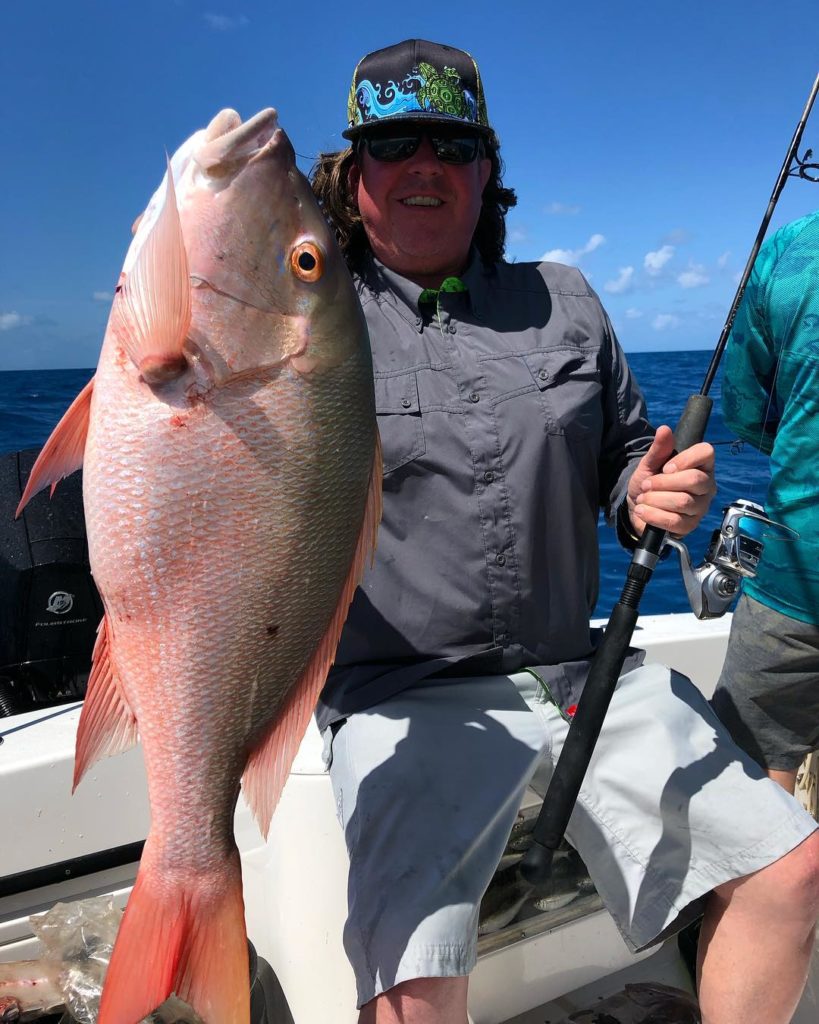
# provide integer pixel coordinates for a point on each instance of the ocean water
(32, 401)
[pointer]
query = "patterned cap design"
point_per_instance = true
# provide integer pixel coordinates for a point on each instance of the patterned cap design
(416, 81)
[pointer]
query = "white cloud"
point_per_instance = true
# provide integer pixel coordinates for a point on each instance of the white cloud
(622, 283)
(567, 209)
(723, 260)
(103, 296)
(655, 261)
(694, 277)
(573, 256)
(224, 22)
(665, 321)
(8, 321)
(633, 314)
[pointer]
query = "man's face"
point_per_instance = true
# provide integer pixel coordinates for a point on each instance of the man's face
(420, 214)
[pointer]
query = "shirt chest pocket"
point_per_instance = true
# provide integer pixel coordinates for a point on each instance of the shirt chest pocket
(399, 419)
(570, 392)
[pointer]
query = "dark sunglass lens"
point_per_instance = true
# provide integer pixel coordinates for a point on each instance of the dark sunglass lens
(456, 150)
(392, 148)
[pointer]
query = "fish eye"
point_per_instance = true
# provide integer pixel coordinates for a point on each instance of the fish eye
(307, 261)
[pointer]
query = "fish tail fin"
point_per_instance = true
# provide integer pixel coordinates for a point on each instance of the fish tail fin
(183, 935)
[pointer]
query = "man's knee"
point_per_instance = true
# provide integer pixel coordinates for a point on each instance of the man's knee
(792, 882)
(419, 1001)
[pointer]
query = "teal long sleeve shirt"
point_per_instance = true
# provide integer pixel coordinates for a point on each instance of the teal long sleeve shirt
(770, 397)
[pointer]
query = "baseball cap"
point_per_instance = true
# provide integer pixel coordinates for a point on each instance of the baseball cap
(416, 81)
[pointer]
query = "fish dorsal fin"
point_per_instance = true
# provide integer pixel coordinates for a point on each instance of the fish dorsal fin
(269, 764)
(63, 452)
(107, 723)
(154, 301)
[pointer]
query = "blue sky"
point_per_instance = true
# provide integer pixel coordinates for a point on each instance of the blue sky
(643, 138)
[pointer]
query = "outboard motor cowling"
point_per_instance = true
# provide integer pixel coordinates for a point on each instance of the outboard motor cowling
(49, 605)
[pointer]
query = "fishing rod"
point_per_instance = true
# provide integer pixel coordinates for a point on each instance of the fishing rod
(570, 770)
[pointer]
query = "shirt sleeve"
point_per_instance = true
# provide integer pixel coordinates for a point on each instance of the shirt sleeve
(750, 361)
(627, 433)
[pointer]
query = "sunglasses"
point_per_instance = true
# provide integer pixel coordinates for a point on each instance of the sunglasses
(450, 149)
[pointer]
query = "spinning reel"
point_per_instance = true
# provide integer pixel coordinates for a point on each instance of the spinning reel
(733, 553)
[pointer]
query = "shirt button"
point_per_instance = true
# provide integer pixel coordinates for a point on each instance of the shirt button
(500, 559)
(406, 403)
(418, 321)
(474, 397)
(452, 328)
(543, 374)
(489, 476)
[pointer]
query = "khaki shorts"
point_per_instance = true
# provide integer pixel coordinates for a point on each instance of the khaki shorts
(768, 693)
(428, 784)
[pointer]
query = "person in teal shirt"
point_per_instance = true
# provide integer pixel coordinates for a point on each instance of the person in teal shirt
(768, 693)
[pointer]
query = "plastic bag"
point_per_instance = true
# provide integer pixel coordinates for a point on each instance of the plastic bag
(79, 937)
(77, 940)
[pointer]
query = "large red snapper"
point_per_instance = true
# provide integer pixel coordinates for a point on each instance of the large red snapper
(232, 495)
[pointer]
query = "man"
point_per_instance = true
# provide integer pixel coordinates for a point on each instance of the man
(768, 694)
(508, 416)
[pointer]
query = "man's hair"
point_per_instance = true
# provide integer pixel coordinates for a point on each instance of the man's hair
(329, 180)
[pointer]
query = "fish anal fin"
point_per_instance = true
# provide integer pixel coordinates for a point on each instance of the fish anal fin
(153, 304)
(182, 932)
(107, 723)
(269, 763)
(63, 452)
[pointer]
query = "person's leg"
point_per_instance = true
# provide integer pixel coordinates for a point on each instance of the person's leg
(670, 810)
(757, 939)
(766, 696)
(787, 780)
(420, 1001)
(768, 699)
(427, 787)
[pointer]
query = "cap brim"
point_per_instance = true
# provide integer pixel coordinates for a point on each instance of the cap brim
(416, 117)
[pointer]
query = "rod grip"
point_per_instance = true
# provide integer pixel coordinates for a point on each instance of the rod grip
(692, 424)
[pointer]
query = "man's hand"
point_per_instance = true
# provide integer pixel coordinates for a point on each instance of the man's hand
(674, 496)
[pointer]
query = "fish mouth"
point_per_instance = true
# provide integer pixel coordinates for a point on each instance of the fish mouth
(231, 142)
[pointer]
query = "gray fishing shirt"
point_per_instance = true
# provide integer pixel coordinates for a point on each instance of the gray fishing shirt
(508, 417)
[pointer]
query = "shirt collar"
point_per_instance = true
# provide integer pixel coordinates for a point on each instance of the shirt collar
(406, 294)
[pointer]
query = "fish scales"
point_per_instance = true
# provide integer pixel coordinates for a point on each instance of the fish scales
(219, 543)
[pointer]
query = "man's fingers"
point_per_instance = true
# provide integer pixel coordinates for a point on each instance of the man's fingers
(661, 448)
(671, 522)
(698, 456)
(674, 495)
(676, 502)
(694, 480)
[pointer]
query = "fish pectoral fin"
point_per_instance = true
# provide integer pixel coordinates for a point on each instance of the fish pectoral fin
(269, 764)
(183, 932)
(107, 723)
(63, 452)
(154, 300)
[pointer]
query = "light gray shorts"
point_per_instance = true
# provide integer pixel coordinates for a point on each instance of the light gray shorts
(428, 785)
(768, 693)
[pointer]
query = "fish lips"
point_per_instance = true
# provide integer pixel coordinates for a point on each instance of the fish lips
(231, 144)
